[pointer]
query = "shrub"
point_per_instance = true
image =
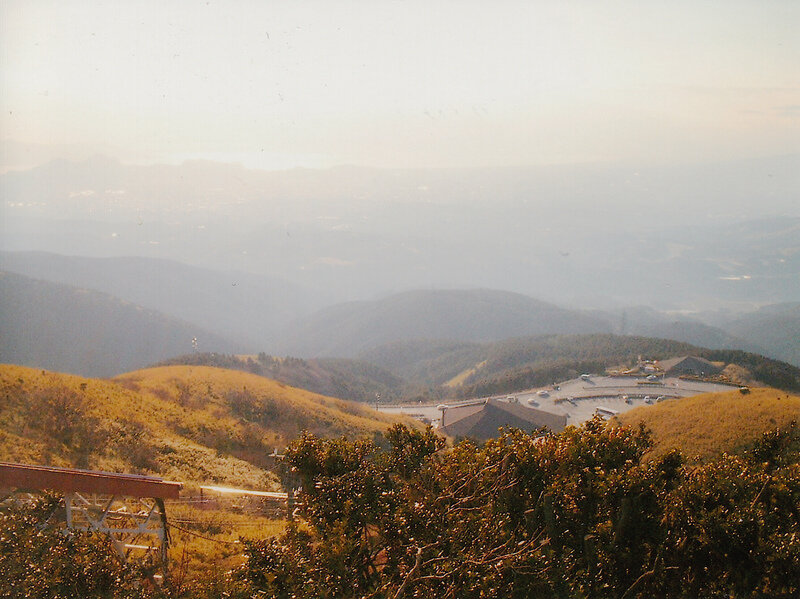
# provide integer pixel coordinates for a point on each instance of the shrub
(578, 514)
(45, 563)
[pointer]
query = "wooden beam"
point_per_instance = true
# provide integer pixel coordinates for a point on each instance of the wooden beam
(28, 477)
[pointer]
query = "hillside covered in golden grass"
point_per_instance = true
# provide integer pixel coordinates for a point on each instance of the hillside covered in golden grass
(705, 426)
(189, 423)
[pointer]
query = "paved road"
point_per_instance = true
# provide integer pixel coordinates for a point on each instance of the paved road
(579, 399)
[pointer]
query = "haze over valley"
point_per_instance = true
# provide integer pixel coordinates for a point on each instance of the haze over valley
(392, 299)
(294, 181)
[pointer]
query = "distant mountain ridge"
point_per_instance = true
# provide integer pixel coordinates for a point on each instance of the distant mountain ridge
(562, 233)
(643, 321)
(441, 332)
(347, 330)
(462, 316)
(776, 327)
(66, 328)
(246, 307)
(255, 309)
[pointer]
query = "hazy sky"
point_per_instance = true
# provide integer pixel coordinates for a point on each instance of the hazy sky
(432, 83)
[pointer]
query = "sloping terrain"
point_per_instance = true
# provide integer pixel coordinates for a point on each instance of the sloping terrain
(249, 308)
(440, 362)
(643, 321)
(757, 369)
(347, 330)
(707, 425)
(775, 327)
(188, 423)
(431, 362)
(475, 369)
(64, 328)
(335, 377)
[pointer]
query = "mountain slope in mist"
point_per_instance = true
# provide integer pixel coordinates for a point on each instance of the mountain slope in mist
(60, 327)
(647, 322)
(236, 305)
(346, 330)
(776, 327)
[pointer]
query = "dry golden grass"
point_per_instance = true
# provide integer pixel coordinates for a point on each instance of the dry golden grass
(181, 423)
(207, 542)
(461, 377)
(707, 425)
(204, 388)
(194, 424)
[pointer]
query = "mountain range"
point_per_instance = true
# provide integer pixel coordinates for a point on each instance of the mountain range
(347, 261)
(250, 308)
(347, 330)
(674, 238)
(229, 312)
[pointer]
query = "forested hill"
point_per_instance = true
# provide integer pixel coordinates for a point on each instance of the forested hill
(523, 363)
(482, 315)
(440, 362)
(334, 377)
(434, 370)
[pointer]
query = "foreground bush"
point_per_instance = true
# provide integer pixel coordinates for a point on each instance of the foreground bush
(574, 515)
(38, 562)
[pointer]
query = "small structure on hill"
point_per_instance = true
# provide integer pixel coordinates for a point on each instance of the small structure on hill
(127, 508)
(689, 365)
(482, 420)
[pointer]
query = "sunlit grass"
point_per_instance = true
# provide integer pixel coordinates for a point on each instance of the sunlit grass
(207, 542)
(187, 423)
(462, 376)
(707, 425)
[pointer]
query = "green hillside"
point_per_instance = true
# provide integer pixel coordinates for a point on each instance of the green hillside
(425, 361)
(470, 369)
(188, 423)
(430, 371)
(478, 369)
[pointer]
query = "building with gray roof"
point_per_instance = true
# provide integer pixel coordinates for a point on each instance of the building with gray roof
(482, 420)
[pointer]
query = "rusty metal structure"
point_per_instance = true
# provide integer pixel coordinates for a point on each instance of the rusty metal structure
(127, 508)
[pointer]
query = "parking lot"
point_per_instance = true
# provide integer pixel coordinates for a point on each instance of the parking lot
(578, 399)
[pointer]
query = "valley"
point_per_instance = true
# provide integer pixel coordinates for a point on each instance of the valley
(397, 300)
